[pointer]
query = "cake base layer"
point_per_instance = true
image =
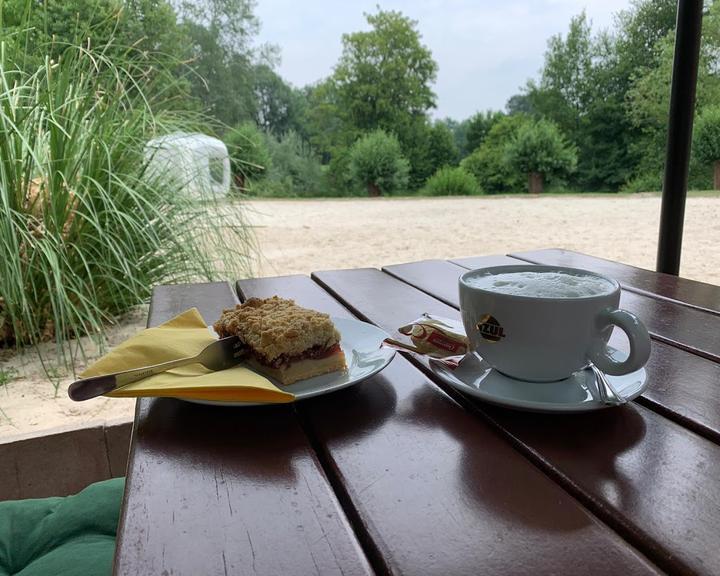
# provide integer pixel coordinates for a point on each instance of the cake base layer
(301, 369)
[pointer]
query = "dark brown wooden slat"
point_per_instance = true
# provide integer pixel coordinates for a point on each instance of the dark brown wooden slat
(685, 386)
(646, 476)
(214, 490)
(435, 277)
(691, 329)
(490, 260)
(436, 489)
(689, 292)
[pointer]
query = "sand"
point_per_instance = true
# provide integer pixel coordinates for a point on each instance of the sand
(300, 236)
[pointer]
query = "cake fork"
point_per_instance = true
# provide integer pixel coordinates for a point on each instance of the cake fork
(219, 355)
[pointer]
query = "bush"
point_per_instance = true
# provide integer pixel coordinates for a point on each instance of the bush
(249, 155)
(489, 162)
(538, 149)
(706, 136)
(478, 127)
(87, 230)
(643, 183)
(339, 176)
(706, 141)
(294, 169)
(377, 164)
(450, 181)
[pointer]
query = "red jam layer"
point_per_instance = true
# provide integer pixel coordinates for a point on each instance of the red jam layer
(314, 353)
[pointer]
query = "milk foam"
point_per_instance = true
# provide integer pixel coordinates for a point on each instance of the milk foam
(542, 284)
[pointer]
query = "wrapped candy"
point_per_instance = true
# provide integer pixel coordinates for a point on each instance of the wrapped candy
(436, 336)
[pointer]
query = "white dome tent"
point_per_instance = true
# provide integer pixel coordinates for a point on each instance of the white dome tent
(199, 162)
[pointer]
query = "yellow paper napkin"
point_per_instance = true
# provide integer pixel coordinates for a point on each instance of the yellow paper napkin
(184, 335)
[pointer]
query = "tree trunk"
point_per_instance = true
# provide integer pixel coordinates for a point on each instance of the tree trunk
(373, 190)
(535, 183)
(716, 175)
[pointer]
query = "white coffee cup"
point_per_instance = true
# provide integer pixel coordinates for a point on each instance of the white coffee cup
(543, 323)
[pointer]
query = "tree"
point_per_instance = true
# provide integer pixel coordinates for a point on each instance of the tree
(539, 149)
(279, 107)
(478, 127)
(584, 88)
(112, 26)
(376, 162)
(249, 155)
(295, 169)
(222, 80)
(325, 121)
(441, 147)
(566, 75)
(519, 104)
(649, 97)
(459, 131)
(706, 141)
(640, 30)
(429, 147)
(384, 75)
(219, 35)
(489, 163)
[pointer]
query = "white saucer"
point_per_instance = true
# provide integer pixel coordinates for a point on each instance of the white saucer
(578, 393)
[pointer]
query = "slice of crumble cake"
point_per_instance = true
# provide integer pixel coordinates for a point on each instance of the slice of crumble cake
(283, 340)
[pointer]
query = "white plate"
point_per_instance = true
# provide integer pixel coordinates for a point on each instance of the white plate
(360, 342)
(578, 393)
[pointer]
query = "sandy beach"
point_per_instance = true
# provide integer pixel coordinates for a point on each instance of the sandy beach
(300, 236)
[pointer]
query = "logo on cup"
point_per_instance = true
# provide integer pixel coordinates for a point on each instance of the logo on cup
(490, 329)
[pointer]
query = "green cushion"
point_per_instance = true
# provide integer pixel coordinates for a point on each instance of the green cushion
(72, 536)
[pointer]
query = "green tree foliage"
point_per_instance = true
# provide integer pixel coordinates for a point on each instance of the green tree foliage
(640, 28)
(584, 88)
(384, 75)
(223, 78)
(566, 77)
(635, 48)
(478, 127)
(576, 92)
(607, 91)
(519, 104)
(538, 149)
(279, 107)
(432, 147)
(489, 163)
(649, 98)
(451, 181)
(441, 146)
(376, 162)
(325, 121)
(39, 29)
(249, 155)
(294, 168)
(706, 141)
(459, 132)
(382, 81)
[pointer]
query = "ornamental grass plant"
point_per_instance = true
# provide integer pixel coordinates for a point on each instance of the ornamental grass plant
(86, 230)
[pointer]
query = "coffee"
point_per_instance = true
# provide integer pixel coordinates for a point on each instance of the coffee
(544, 323)
(548, 284)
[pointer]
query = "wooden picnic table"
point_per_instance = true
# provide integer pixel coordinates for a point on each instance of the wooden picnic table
(401, 474)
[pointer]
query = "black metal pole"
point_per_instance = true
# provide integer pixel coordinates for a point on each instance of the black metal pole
(682, 108)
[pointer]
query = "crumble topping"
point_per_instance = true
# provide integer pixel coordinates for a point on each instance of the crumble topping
(275, 327)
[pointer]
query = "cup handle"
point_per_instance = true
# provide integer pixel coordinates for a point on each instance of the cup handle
(637, 336)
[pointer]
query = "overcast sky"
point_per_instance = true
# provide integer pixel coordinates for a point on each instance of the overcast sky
(485, 49)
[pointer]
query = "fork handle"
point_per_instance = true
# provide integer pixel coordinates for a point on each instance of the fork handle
(87, 388)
